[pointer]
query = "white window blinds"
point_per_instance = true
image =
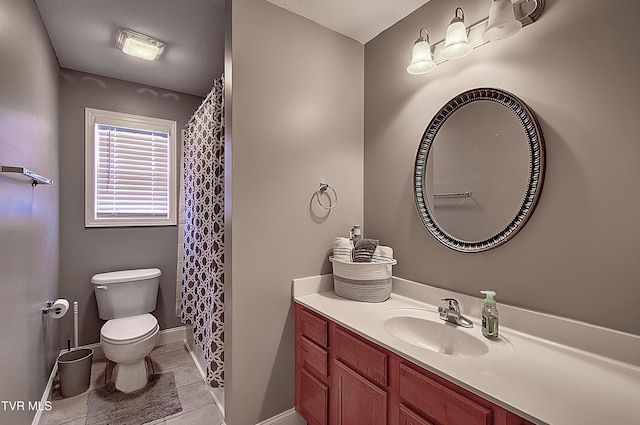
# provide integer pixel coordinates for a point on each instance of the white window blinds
(133, 171)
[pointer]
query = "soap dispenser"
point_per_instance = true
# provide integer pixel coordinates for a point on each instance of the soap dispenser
(489, 316)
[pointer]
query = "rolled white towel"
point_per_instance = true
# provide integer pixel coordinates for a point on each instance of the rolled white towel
(342, 248)
(382, 253)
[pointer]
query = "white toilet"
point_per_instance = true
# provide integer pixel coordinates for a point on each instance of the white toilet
(125, 298)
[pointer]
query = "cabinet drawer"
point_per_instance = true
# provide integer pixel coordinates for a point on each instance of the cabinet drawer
(513, 419)
(313, 357)
(314, 400)
(408, 417)
(438, 402)
(361, 357)
(313, 327)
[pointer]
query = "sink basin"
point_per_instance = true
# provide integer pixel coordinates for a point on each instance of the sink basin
(424, 329)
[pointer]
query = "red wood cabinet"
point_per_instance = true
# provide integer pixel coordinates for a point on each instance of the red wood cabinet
(513, 419)
(356, 400)
(313, 400)
(344, 379)
(407, 417)
(312, 367)
(438, 402)
(369, 361)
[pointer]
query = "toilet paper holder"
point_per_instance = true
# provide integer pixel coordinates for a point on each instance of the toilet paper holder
(48, 308)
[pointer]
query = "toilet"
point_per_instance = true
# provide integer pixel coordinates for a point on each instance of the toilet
(125, 299)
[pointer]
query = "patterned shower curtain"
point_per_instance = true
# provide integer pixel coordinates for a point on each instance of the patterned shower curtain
(202, 286)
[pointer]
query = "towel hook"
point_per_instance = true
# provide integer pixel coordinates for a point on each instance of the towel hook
(323, 188)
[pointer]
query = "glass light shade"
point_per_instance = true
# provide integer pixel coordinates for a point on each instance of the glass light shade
(502, 21)
(139, 49)
(421, 61)
(456, 44)
(139, 45)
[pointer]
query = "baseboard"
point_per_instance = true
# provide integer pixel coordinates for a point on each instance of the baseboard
(198, 359)
(196, 352)
(167, 336)
(45, 394)
(289, 417)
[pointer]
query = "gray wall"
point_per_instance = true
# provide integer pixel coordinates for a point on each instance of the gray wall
(28, 216)
(87, 251)
(296, 120)
(577, 68)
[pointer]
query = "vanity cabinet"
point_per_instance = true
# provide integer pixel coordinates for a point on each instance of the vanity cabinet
(344, 379)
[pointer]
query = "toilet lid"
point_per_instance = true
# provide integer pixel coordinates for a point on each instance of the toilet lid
(128, 328)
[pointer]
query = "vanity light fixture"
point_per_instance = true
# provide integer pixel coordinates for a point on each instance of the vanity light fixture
(139, 45)
(421, 59)
(502, 21)
(456, 43)
(506, 17)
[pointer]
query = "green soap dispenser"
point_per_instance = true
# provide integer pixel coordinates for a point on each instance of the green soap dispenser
(490, 316)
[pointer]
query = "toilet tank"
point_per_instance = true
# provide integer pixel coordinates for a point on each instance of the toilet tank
(126, 293)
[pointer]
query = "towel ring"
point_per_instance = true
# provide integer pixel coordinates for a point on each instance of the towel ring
(323, 188)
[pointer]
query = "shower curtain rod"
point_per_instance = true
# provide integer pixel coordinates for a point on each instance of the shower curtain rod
(204, 102)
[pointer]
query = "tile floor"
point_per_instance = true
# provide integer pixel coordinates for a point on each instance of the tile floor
(198, 405)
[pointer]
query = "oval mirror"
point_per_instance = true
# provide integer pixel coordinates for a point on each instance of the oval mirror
(479, 170)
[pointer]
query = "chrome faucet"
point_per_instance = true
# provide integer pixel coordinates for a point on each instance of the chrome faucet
(451, 313)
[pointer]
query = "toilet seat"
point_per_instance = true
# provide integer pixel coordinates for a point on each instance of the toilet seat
(129, 330)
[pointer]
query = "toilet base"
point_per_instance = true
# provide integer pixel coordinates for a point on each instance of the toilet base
(130, 377)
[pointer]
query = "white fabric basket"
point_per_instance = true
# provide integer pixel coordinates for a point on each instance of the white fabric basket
(368, 282)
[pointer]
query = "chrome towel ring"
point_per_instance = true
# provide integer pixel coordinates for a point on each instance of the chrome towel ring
(322, 190)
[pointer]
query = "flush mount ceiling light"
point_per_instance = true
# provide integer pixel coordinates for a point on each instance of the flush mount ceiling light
(139, 45)
(505, 19)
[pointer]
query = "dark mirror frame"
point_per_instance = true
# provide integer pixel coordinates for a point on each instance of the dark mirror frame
(536, 148)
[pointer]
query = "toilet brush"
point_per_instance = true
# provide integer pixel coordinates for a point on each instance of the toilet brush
(75, 323)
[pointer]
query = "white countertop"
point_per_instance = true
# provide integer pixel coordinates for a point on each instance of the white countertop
(566, 373)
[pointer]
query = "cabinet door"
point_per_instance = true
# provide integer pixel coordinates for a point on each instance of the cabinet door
(313, 400)
(356, 400)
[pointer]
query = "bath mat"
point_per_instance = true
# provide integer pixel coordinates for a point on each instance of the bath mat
(158, 399)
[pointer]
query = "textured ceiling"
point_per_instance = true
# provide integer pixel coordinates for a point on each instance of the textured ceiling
(361, 20)
(83, 34)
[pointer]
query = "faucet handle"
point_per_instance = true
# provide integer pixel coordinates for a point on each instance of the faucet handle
(451, 303)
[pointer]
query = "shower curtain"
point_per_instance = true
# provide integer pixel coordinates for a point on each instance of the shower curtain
(201, 292)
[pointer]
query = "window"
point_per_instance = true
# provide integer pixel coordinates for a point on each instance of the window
(130, 175)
